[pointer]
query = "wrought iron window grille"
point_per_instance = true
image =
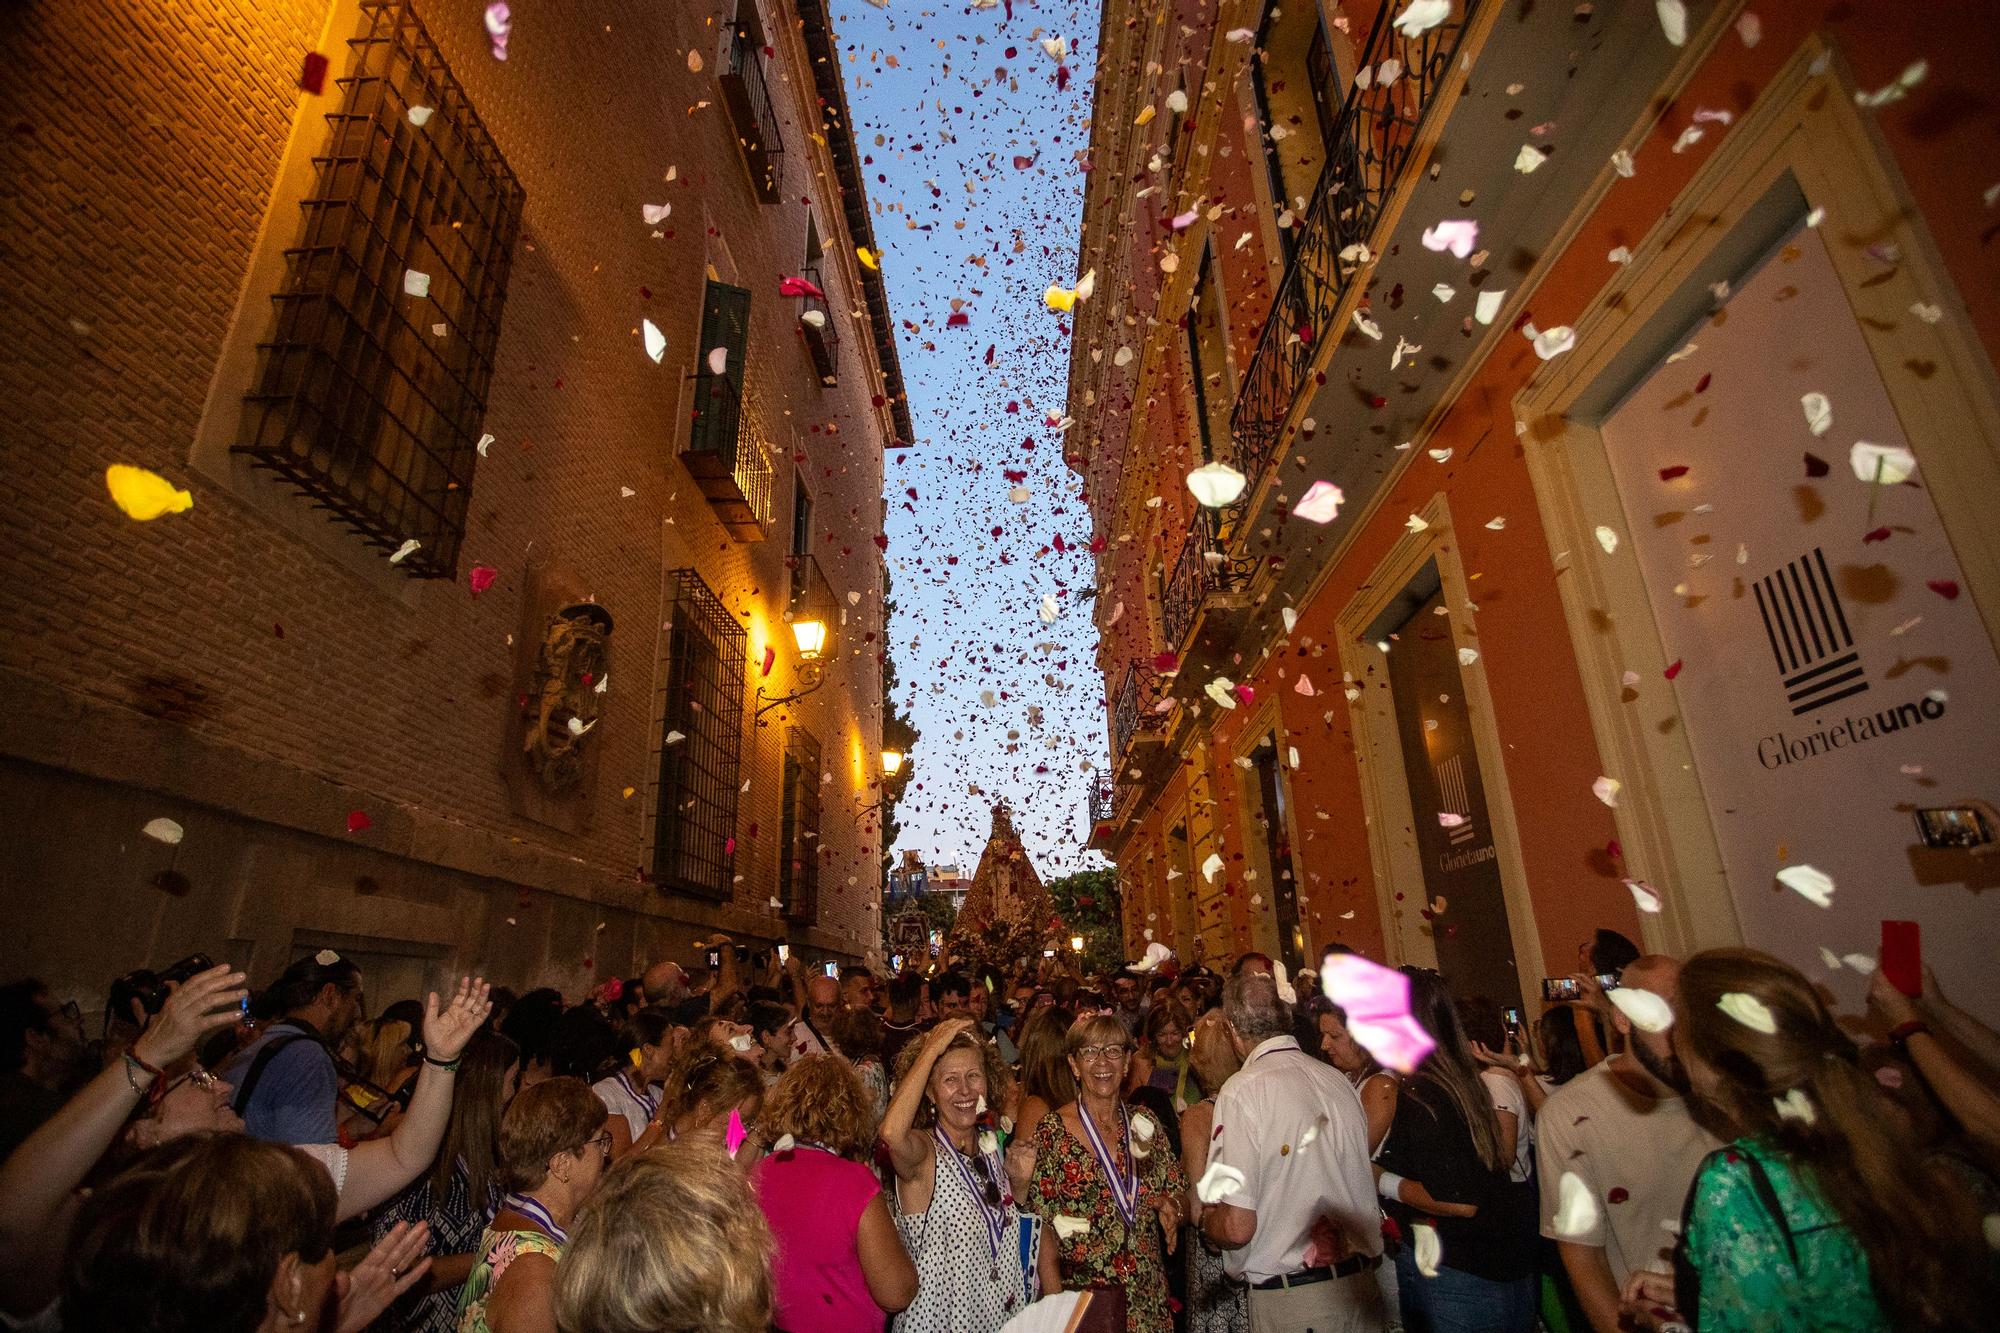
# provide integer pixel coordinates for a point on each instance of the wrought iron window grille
(369, 397)
(747, 95)
(694, 831)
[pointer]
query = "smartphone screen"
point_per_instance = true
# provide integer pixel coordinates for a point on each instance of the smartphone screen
(1557, 989)
(1962, 827)
(784, 953)
(1511, 1017)
(714, 959)
(832, 968)
(1901, 960)
(1048, 953)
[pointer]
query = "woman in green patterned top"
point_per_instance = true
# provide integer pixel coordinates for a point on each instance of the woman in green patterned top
(554, 1146)
(1817, 1219)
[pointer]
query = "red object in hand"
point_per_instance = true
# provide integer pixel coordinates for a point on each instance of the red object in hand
(1901, 958)
(312, 76)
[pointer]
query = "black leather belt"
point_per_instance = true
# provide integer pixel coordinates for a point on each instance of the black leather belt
(1360, 1263)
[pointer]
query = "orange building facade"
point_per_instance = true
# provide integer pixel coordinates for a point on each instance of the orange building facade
(1610, 624)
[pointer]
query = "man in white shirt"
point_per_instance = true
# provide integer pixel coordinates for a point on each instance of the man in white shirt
(1290, 1129)
(1623, 1130)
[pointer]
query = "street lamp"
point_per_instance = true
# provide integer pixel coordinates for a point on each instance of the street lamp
(1076, 943)
(811, 637)
(892, 763)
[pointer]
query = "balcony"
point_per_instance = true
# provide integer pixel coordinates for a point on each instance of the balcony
(822, 337)
(1370, 146)
(1136, 717)
(740, 70)
(732, 470)
(1103, 819)
(1206, 579)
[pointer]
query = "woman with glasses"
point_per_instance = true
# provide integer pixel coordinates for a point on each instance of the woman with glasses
(979, 1258)
(1104, 1175)
(554, 1146)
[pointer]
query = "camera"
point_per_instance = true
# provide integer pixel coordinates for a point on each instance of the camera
(150, 988)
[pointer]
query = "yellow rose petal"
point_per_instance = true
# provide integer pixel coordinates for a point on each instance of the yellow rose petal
(144, 495)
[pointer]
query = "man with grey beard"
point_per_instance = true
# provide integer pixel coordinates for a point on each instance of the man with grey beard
(1623, 1130)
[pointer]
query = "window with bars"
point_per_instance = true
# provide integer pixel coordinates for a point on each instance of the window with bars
(371, 390)
(723, 455)
(746, 94)
(798, 852)
(694, 827)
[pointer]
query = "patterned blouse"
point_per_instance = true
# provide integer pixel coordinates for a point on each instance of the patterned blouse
(497, 1249)
(1770, 1260)
(1072, 1193)
(455, 1226)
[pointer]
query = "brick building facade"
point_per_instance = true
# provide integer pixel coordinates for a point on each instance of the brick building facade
(1391, 730)
(340, 737)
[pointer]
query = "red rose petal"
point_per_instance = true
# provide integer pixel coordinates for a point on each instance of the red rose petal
(1618, 1194)
(1815, 466)
(1669, 473)
(1879, 535)
(481, 578)
(312, 75)
(357, 820)
(1673, 669)
(1945, 588)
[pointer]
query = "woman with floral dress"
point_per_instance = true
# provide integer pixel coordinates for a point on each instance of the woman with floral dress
(1106, 1182)
(554, 1147)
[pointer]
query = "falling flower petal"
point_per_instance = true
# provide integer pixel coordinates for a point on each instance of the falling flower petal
(1795, 1105)
(1644, 896)
(144, 495)
(1529, 158)
(869, 259)
(1459, 237)
(1068, 1227)
(1554, 342)
(656, 342)
(655, 214)
(163, 830)
(1606, 790)
(1673, 20)
(1576, 1209)
(1819, 412)
(1896, 91)
(1420, 16)
(1608, 539)
(1647, 1011)
(1815, 886)
(1210, 866)
(1621, 162)
(419, 116)
(481, 578)
(358, 821)
(1889, 464)
(1050, 609)
(1429, 1249)
(415, 283)
(1377, 1002)
(1216, 484)
(1217, 1183)
(1320, 504)
(409, 548)
(1749, 1011)
(718, 360)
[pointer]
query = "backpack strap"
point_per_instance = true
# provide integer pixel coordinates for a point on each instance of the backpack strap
(1768, 1196)
(265, 1055)
(1687, 1276)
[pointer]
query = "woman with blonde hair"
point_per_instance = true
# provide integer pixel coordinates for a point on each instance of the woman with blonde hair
(1103, 1174)
(1818, 1216)
(706, 1086)
(672, 1242)
(837, 1262)
(979, 1258)
(1215, 1304)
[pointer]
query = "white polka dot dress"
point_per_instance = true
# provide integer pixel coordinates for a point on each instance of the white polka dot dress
(957, 1290)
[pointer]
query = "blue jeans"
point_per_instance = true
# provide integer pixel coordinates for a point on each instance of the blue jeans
(1458, 1302)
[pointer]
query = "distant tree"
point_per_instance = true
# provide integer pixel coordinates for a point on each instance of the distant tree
(1087, 903)
(899, 733)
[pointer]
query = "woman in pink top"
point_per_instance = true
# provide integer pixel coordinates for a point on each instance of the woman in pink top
(837, 1261)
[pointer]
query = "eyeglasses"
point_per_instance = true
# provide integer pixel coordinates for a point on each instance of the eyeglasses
(601, 1142)
(1111, 1051)
(198, 1076)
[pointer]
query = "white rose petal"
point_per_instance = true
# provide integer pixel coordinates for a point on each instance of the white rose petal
(1644, 895)
(1216, 484)
(1819, 412)
(1068, 1227)
(1607, 789)
(1211, 866)
(656, 341)
(1420, 16)
(1529, 158)
(655, 214)
(1815, 886)
(1576, 1213)
(420, 115)
(1429, 1249)
(1320, 504)
(1552, 343)
(1749, 1011)
(405, 551)
(415, 283)
(1608, 539)
(1889, 464)
(1673, 20)
(1795, 1105)
(1217, 1183)
(1648, 1012)
(163, 830)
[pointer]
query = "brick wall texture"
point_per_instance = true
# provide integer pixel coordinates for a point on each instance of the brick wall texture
(142, 144)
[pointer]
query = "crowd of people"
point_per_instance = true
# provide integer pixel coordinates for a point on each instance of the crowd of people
(747, 1143)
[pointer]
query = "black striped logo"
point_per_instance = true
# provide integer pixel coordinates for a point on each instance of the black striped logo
(1808, 633)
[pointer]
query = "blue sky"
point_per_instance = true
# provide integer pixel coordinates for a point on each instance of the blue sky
(973, 163)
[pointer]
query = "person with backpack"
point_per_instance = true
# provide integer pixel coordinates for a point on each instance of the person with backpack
(286, 1082)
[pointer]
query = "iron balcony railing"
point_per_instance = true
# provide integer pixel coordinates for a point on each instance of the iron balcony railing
(1370, 146)
(732, 469)
(822, 338)
(749, 100)
(1132, 711)
(1204, 566)
(1102, 806)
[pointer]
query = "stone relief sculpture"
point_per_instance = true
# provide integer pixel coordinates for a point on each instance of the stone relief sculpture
(560, 708)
